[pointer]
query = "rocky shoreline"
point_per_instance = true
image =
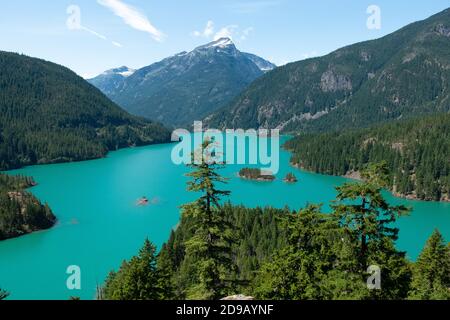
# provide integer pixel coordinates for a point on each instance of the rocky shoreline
(255, 175)
(356, 175)
(259, 179)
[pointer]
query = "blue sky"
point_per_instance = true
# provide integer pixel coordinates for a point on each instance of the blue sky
(136, 33)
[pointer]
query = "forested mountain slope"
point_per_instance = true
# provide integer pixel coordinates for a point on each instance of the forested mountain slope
(49, 114)
(417, 152)
(187, 86)
(404, 74)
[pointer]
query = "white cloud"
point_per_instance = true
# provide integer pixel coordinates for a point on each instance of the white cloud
(226, 32)
(98, 35)
(73, 23)
(246, 33)
(208, 32)
(132, 17)
(230, 31)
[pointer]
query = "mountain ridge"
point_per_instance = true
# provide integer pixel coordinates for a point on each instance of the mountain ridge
(186, 86)
(400, 75)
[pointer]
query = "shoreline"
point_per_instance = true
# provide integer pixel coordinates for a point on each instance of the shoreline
(257, 179)
(286, 162)
(10, 172)
(28, 229)
(28, 233)
(355, 175)
(66, 161)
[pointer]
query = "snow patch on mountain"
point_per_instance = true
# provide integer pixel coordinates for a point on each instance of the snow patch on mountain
(122, 71)
(222, 43)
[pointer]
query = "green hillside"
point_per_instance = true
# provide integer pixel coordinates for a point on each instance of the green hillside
(417, 152)
(401, 75)
(49, 114)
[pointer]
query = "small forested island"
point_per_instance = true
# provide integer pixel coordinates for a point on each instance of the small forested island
(255, 174)
(290, 178)
(20, 212)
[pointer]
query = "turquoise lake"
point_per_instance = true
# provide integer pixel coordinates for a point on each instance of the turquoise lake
(100, 224)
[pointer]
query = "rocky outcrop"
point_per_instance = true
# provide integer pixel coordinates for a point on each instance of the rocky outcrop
(355, 175)
(442, 30)
(374, 81)
(332, 82)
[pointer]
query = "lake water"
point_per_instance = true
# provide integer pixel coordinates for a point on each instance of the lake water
(100, 224)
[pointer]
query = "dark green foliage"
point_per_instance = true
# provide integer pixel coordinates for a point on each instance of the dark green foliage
(258, 235)
(166, 271)
(48, 114)
(367, 218)
(432, 271)
(401, 75)
(327, 256)
(210, 245)
(281, 254)
(203, 256)
(21, 212)
(416, 152)
(137, 279)
(297, 271)
(363, 212)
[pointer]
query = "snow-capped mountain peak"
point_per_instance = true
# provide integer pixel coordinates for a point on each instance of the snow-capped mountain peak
(122, 71)
(199, 82)
(222, 43)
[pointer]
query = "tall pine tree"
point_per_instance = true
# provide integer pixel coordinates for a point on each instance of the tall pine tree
(368, 219)
(431, 278)
(362, 210)
(137, 279)
(208, 252)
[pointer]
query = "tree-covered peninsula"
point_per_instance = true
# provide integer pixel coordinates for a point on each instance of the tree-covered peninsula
(21, 212)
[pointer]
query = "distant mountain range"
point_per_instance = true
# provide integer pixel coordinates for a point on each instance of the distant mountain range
(49, 114)
(402, 75)
(185, 87)
(112, 80)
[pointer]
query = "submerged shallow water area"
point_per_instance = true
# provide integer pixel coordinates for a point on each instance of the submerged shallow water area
(100, 222)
